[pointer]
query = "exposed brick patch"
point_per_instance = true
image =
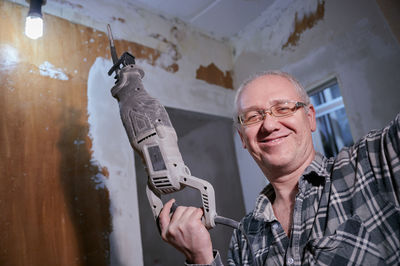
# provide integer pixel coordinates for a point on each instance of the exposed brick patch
(213, 75)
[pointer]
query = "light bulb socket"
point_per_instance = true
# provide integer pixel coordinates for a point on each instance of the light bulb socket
(35, 8)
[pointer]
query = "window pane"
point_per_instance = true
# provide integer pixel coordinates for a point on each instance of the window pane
(341, 128)
(335, 91)
(325, 130)
(333, 130)
(315, 99)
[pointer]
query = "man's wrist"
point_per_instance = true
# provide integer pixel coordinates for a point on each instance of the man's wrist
(200, 259)
(216, 261)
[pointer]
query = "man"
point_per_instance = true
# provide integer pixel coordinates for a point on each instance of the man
(315, 211)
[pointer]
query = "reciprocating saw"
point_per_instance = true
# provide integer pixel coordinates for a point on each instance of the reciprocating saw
(152, 135)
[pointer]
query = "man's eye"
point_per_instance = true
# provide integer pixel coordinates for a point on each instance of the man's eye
(252, 116)
(283, 109)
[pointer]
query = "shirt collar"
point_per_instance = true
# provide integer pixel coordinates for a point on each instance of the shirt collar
(315, 173)
(318, 165)
(263, 210)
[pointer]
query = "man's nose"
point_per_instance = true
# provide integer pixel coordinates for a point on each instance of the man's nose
(270, 122)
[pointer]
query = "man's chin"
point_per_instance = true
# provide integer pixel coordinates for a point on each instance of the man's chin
(277, 161)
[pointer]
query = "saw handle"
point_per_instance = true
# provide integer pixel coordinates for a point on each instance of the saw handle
(217, 219)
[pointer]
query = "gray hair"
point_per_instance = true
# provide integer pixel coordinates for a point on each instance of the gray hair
(299, 88)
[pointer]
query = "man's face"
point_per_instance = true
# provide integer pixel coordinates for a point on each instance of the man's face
(277, 143)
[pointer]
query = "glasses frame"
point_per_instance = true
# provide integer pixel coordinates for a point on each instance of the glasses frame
(264, 112)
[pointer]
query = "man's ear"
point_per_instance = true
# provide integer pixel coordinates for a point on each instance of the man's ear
(311, 117)
(242, 139)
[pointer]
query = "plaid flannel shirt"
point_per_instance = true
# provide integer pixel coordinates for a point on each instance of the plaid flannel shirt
(347, 211)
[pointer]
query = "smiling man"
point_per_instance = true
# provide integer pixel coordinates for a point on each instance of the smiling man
(278, 138)
(315, 211)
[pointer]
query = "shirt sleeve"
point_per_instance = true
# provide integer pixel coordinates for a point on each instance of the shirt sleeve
(216, 262)
(384, 156)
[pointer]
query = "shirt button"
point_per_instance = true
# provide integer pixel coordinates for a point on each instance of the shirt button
(290, 261)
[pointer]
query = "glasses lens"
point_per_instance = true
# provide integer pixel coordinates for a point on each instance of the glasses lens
(284, 109)
(277, 110)
(251, 117)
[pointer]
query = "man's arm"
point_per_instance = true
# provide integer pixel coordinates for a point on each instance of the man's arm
(391, 143)
(185, 231)
(384, 155)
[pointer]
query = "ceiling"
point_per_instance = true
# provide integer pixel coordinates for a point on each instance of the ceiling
(219, 18)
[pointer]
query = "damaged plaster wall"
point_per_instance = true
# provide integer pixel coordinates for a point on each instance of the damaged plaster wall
(174, 86)
(183, 51)
(111, 149)
(350, 40)
(171, 55)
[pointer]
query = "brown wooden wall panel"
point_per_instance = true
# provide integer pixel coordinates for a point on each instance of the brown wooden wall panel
(51, 211)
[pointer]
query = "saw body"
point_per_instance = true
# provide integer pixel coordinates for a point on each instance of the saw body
(153, 137)
(151, 134)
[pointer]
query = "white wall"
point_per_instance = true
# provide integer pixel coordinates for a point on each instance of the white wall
(111, 149)
(251, 176)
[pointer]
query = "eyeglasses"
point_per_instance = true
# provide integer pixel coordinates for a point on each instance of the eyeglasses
(278, 110)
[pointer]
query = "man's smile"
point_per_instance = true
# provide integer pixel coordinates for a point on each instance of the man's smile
(273, 140)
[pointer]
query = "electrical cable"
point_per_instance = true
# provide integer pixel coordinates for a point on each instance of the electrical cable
(226, 221)
(239, 226)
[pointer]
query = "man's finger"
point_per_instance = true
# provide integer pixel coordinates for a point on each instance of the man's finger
(178, 213)
(164, 218)
(192, 213)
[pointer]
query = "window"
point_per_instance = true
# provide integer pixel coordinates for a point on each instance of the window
(333, 130)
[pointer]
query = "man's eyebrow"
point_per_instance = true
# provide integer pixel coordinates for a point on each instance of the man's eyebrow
(251, 108)
(275, 101)
(266, 105)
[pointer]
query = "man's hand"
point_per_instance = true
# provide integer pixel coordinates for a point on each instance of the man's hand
(185, 231)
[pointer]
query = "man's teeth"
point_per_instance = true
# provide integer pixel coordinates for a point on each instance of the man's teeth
(272, 140)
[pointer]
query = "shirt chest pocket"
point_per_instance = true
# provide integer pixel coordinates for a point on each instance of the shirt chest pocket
(350, 245)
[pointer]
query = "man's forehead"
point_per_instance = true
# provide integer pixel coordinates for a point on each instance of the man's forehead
(270, 80)
(269, 89)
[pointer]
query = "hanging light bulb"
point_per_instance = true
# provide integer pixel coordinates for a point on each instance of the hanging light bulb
(34, 20)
